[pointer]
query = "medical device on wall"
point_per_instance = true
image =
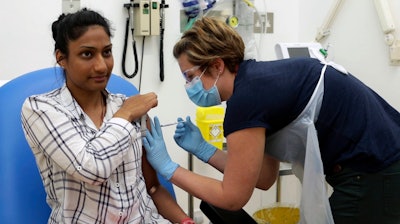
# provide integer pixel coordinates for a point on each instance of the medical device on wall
(145, 18)
(242, 15)
(196, 8)
(388, 28)
(130, 25)
(385, 16)
(142, 18)
(386, 21)
(294, 50)
(324, 29)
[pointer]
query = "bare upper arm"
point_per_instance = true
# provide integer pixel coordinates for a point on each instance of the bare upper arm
(244, 163)
(149, 174)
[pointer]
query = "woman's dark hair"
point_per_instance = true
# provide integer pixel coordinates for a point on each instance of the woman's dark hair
(71, 26)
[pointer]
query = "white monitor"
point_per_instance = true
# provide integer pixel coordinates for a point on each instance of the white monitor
(293, 50)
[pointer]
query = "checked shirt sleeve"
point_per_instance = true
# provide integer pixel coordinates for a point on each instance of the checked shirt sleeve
(63, 137)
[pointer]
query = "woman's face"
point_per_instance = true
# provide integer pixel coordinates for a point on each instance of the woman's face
(90, 61)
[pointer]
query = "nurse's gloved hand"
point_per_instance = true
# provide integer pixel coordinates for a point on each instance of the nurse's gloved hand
(188, 136)
(156, 151)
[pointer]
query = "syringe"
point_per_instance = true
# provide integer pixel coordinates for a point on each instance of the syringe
(170, 124)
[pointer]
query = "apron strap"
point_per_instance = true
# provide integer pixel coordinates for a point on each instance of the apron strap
(324, 61)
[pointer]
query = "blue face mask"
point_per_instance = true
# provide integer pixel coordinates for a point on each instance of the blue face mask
(200, 96)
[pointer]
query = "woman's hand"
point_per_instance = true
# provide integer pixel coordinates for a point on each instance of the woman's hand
(136, 106)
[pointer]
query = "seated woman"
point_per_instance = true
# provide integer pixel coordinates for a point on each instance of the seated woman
(87, 141)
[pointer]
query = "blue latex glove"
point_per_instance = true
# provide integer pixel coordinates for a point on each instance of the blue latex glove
(156, 151)
(188, 136)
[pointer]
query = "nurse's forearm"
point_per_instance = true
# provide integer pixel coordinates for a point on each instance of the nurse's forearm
(218, 160)
(226, 196)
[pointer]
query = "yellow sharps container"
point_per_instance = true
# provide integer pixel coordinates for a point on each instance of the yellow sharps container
(210, 122)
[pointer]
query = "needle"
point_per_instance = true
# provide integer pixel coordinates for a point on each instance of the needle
(170, 124)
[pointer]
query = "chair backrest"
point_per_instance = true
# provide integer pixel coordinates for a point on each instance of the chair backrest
(22, 195)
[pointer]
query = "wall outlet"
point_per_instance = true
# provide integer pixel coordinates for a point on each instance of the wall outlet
(264, 22)
(70, 6)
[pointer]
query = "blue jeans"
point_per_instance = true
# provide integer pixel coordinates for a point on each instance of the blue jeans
(365, 198)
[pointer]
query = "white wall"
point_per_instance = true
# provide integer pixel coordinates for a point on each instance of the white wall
(356, 38)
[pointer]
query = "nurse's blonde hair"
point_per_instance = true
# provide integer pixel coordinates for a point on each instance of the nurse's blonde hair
(208, 39)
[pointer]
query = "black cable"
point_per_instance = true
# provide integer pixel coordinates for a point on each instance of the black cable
(161, 54)
(162, 25)
(163, 6)
(141, 63)
(125, 50)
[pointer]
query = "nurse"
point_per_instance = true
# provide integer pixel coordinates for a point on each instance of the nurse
(305, 111)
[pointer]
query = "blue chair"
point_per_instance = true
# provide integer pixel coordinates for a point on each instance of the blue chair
(22, 195)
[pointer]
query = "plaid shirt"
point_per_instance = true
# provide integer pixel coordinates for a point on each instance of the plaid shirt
(90, 175)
